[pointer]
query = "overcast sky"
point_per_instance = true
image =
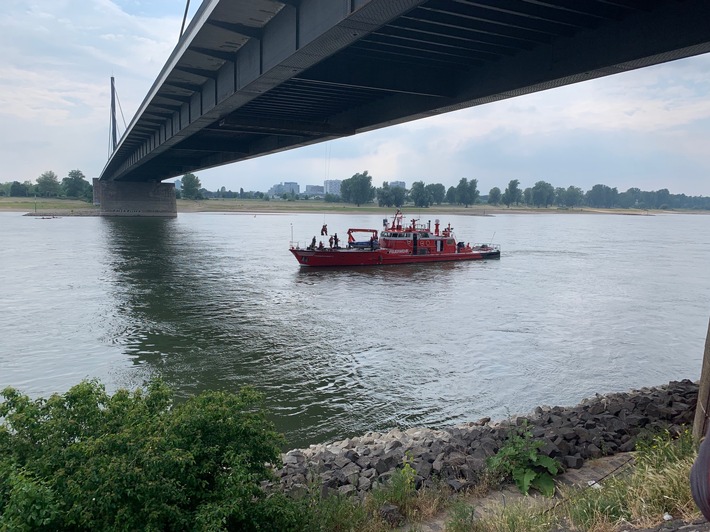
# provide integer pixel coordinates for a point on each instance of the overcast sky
(647, 129)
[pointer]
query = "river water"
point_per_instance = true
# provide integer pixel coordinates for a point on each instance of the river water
(578, 304)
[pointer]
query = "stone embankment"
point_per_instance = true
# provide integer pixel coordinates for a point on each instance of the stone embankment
(602, 425)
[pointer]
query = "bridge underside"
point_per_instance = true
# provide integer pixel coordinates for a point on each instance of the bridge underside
(254, 77)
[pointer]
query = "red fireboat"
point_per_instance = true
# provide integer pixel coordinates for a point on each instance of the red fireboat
(396, 244)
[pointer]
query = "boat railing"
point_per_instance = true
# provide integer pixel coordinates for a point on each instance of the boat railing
(485, 247)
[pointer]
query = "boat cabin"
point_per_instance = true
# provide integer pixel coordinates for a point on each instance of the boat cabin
(418, 239)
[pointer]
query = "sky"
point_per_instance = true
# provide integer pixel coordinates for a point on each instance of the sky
(648, 128)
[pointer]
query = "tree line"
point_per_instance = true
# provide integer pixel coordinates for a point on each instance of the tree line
(359, 190)
(47, 185)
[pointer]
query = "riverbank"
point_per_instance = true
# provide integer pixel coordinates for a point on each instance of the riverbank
(595, 441)
(600, 426)
(69, 207)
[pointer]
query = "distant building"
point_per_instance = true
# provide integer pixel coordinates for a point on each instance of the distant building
(178, 184)
(332, 186)
(315, 190)
(288, 187)
(400, 184)
(291, 188)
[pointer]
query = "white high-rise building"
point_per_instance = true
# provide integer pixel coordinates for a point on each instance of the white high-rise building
(332, 186)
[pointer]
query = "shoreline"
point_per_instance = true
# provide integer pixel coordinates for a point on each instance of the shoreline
(603, 425)
(44, 207)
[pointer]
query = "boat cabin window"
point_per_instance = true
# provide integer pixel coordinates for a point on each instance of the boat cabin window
(450, 241)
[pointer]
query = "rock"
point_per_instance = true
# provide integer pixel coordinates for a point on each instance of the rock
(348, 489)
(573, 462)
(391, 514)
(597, 426)
(593, 451)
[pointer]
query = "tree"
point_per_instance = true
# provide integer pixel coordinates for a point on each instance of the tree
(437, 192)
(601, 196)
(494, 196)
(560, 194)
(512, 193)
(191, 186)
(527, 196)
(18, 189)
(75, 185)
(139, 461)
(462, 192)
(451, 195)
(573, 196)
(543, 194)
(384, 195)
(358, 189)
(473, 192)
(398, 196)
(48, 184)
(420, 195)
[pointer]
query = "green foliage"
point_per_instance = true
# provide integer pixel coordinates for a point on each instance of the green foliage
(602, 196)
(656, 450)
(451, 195)
(467, 192)
(75, 185)
(18, 189)
(437, 192)
(85, 460)
(512, 193)
(521, 460)
(48, 184)
(543, 194)
(400, 489)
(358, 189)
(336, 513)
(191, 186)
(494, 196)
(420, 195)
(390, 196)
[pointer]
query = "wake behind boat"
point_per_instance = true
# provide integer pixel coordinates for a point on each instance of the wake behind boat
(397, 243)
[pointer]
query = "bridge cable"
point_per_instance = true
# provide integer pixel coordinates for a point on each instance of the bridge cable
(184, 18)
(110, 147)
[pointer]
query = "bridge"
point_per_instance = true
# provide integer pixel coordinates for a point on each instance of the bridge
(254, 77)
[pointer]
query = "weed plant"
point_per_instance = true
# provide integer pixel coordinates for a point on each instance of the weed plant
(658, 484)
(520, 459)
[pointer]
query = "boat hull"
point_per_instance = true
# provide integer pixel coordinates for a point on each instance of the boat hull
(382, 257)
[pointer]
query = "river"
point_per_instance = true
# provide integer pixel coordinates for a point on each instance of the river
(578, 304)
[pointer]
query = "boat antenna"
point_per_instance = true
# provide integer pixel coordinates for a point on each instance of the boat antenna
(494, 235)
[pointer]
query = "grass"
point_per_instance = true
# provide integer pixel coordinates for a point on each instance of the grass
(43, 204)
(658, 484)
(238, 205)
(337, 513)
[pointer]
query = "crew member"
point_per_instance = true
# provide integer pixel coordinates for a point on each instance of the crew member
(324, 230)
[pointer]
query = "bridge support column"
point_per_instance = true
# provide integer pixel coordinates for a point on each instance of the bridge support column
(135, 199)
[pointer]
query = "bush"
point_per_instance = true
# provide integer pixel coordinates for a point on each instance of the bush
(520, 459)
(89, 461)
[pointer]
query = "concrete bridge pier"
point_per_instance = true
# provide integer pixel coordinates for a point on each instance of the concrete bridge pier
(151, 198)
